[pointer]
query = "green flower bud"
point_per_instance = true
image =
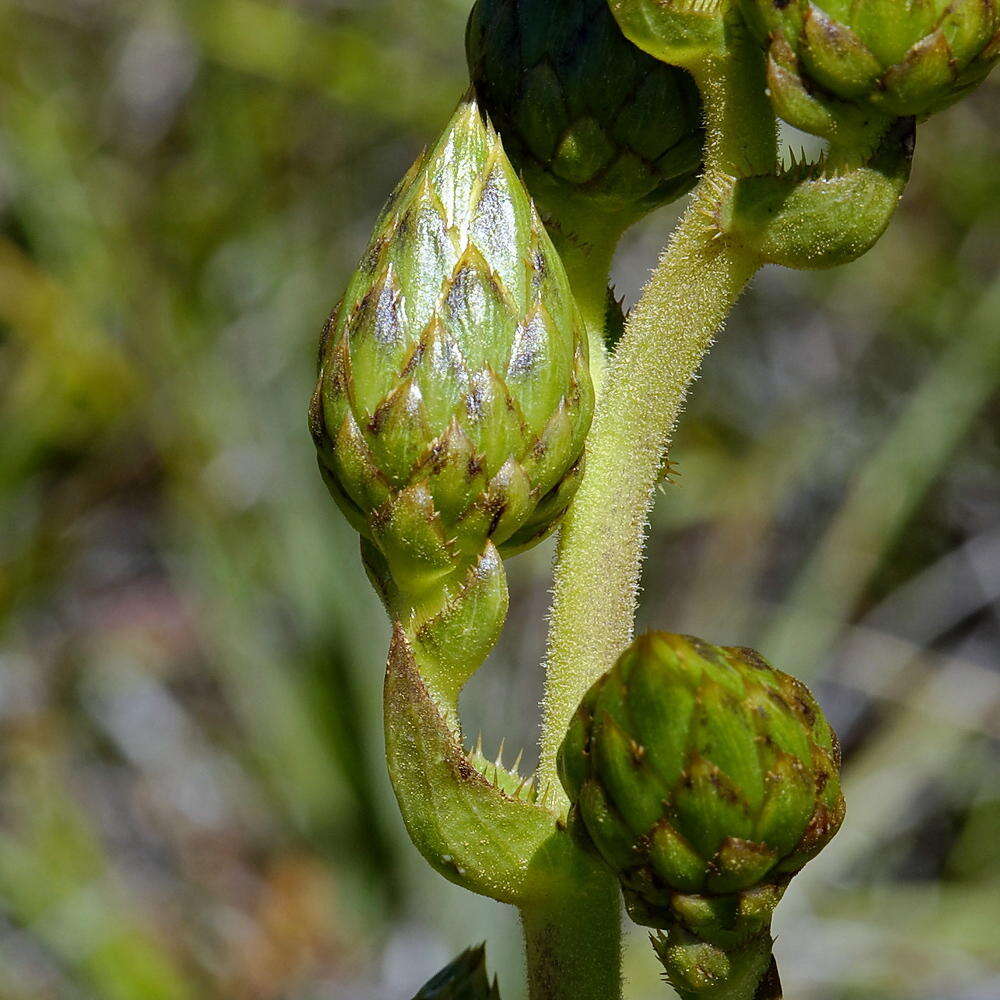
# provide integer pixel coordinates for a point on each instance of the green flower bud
(454, 396)
(594, 124)
(706, 779)
(836, 60)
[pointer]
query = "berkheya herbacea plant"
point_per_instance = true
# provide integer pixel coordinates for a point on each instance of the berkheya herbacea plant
(478, 386)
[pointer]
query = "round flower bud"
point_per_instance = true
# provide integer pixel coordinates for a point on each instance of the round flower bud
(454, 395)
(831, 59)
(594, 124)
(706, 779)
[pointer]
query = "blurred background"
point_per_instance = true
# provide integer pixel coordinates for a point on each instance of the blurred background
(193, 801)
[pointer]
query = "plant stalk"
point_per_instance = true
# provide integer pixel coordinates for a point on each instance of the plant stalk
(573, 945)
(587, 260)
(696, 283)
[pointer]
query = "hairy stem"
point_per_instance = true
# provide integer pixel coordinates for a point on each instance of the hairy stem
(597, 573)
(741, 131)
(697, 281)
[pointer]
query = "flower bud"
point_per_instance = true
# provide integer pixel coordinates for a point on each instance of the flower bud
(594, 124)
(836, 60)
(706, 779)
(454, 396)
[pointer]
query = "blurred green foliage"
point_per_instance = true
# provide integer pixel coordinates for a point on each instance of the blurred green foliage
(192, 798)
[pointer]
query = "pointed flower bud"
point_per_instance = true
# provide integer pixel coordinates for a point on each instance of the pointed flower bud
(454, 395)
(594, 124)
(834, 59)
(706, 779)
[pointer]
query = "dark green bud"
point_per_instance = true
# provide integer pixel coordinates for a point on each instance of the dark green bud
(706, 779)
(833, 62)
(454, 396)
(593, 124)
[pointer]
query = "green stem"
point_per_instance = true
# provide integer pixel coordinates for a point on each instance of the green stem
(696, 283)
(587, 259)
(597, 572)
(573, 945)
(741, 131)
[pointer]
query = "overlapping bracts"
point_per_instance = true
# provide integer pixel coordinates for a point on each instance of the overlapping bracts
(700, 770)
(454, 396)
(891, 57)
(585, 115)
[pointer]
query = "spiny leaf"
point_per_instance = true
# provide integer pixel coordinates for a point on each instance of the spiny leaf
(464, 978)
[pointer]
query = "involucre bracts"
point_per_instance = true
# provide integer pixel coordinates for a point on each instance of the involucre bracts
(700, 770)
(596, 126)
(453, 396)
(837, 59)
